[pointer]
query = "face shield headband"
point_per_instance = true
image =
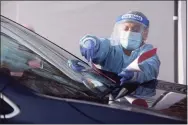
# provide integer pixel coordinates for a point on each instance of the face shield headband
(133, 17)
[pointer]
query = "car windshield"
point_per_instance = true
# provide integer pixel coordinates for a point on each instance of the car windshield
(54, 54)
(58, 57)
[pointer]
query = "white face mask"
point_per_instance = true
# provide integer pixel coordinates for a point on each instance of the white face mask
(130, 40)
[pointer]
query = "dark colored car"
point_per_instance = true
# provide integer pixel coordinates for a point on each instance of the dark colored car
(40, 84)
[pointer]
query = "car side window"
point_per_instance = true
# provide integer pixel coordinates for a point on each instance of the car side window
(35, 72)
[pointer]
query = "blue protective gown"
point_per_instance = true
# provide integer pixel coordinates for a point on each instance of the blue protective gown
(112, 58)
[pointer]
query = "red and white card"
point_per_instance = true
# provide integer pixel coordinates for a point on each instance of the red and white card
(134, 66)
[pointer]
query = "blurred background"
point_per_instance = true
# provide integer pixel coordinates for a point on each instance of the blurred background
(65, 22)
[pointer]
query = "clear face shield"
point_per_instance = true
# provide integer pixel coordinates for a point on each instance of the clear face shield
(128, 30)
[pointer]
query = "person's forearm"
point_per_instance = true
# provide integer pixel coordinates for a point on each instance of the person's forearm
(101, 51)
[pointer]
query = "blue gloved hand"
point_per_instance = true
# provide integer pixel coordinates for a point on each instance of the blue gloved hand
(87, 46)
(126, 76)
(73, 64)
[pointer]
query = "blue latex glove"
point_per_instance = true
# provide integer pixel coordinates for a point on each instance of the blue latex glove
(75, 66)
(87, 46)
(126, 76)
